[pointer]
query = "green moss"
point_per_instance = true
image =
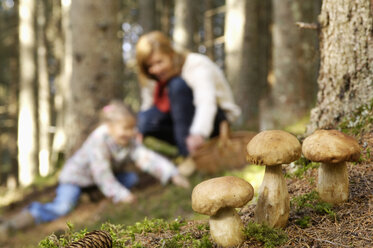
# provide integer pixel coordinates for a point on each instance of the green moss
(52, 241)
(161, 146)
(304, 221)
(187, 240)
(312, 202)
(302, 166)
(154, 225)
(169, 233)
(271, 237)
(359, 121)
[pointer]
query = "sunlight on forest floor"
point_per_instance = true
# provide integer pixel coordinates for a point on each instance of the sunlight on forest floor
(298, 127)
(253, 174)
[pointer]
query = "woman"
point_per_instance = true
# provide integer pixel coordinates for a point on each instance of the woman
(185, 95)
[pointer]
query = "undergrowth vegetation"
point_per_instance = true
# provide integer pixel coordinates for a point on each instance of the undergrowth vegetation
(310, 202)
(360, 121)
(160, 233)
(270, 237)
(128, 227)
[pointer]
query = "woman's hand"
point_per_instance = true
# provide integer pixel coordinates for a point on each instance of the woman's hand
(193, 142)
(180, 181)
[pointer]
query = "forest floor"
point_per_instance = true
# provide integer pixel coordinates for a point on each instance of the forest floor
(311, 224)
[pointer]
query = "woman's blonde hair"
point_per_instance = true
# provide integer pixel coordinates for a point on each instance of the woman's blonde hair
(116, 110)
(151, 42)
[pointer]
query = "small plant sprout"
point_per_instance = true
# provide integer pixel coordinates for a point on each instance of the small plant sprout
(332, 148)
(273, 148)
(218, 198)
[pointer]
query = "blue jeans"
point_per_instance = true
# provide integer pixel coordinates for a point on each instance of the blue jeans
(67, 196)
(173, 126)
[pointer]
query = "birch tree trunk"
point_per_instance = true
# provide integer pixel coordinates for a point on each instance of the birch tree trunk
(27, 124)
(184, 25)
(241, 61)
(96, 66)
(44, 104)
(346, 73)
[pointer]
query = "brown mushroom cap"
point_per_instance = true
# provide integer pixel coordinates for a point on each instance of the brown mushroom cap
(330, 146)
(229, 191)
(273, 147)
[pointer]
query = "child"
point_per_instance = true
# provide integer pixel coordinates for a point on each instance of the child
(98, 162)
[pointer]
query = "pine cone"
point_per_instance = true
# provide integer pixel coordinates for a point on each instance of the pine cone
(94, 239)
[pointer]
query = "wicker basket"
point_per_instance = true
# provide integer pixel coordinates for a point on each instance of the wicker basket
(228, 151)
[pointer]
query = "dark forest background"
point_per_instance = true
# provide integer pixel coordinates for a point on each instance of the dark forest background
(61, 61)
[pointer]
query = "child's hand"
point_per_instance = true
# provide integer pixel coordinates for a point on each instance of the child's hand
(131, 198)
(180, 181)
(139, 138)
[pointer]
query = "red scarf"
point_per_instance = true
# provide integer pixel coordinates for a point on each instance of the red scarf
(161, 100)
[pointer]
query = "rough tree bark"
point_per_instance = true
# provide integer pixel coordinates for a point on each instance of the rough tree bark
(346, 71)
(96, 66)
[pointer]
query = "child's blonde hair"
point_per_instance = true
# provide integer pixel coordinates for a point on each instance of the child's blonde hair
(116, 110)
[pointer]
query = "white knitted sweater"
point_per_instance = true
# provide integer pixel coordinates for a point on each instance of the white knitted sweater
(210, 90)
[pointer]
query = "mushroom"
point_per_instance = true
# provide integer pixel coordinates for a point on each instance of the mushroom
(218, 197)
(273, 148)
(332, 148)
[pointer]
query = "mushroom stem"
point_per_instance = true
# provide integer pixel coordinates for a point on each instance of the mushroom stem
(333, 182)
(273, 204)
(226, 228)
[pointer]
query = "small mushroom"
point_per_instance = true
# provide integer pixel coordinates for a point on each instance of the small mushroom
(218, 198)
(332, 148)
(273, 148)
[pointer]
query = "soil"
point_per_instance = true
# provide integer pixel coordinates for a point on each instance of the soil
(352, 226)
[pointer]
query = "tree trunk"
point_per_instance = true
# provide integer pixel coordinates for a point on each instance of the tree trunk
(44, 106)
(241, 58)
(27, 124)
(9, 75)
(96, 66)
(147, 15)
(346, 73)
(57, 28)
(164, 10)
(295, 63)
(184, 25)
(265, 59)
(209, 29)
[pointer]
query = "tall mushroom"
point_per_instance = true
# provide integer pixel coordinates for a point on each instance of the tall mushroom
(273, 148)
(218, 198)
(332, 148)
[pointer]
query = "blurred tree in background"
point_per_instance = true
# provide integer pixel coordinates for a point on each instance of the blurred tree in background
(82, 55)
